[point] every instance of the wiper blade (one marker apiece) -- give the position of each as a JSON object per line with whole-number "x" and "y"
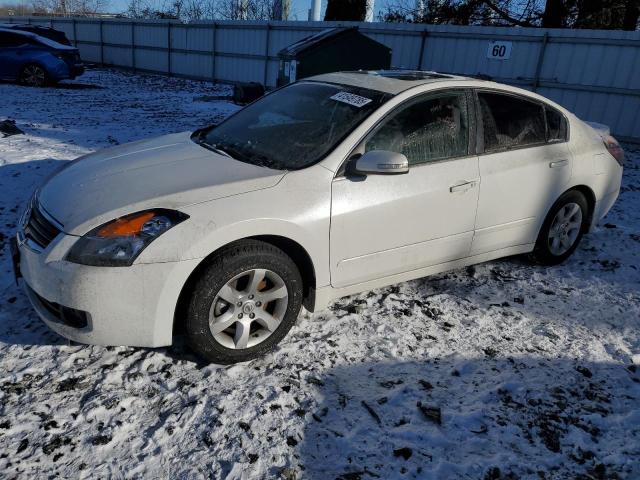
{"x": 199, "y": 134}
{"x": 216, "y": 148}
{"x": 220, "y": 151}
{"x": 264, "y": 161}
{"x": 228, "y": 151}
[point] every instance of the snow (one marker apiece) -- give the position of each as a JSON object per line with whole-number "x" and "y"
{"x": 502, "y": 370}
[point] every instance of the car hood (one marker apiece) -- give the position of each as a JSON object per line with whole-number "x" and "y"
{"x": 166, "y": 172}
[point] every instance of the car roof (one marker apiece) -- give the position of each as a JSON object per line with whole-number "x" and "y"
{"x": 388, "y": 81}
{"x": 16, "y": 31}
{"x": 19, "y": 25}
{"x": 28, "y": 28}
{"x": 41, "y": 39}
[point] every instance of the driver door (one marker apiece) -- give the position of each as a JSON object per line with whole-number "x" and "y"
{"x": 382, "y": 225}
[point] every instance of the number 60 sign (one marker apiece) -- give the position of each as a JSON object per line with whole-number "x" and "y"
{"x": 499, "y": 50}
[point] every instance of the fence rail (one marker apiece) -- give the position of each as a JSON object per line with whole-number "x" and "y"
{"x": 594, "y": 73}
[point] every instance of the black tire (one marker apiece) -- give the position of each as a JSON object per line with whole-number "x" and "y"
{"x": 33, "y": 75}
{"x": 542, "y": 252}
{"x": 229, "y": 262}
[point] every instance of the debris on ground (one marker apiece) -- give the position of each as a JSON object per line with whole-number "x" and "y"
{"x": 8, "y": 128}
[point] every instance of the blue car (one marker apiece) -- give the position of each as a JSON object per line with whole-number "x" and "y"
{"x": 34, "y": 60}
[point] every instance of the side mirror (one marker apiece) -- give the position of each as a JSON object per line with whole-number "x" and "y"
{"x": 381, "y": 162}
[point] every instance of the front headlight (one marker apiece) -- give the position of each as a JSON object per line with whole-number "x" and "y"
{"x": 119, "y": 242}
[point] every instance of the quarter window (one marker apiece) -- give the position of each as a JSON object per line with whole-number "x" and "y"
{"x": 510, "y": 122}
{"x": 426, "y": 130}
{"x": 556, "y": 125}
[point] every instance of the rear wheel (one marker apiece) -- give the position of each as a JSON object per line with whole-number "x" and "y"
{"x": 33, "y": 76}
{"x": 244, "y": 302}
{"x": 562, "y": 230}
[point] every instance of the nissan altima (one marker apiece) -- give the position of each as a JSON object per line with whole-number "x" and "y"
{"x": 333, "y": 185}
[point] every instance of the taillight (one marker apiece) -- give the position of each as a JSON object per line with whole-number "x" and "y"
{"x": 614, "y": 148}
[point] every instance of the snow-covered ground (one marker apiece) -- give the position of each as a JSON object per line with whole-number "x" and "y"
{"x": 500, "y": 371}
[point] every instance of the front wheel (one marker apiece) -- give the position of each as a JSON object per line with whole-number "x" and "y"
{"x": 562, "y": 229}
{"x": 243, "y": 303}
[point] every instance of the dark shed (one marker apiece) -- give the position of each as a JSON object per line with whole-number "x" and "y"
{"x": 331, "y": 50}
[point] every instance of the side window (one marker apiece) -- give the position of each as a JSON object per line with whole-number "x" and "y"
{"x": 510, "y": 122}
{"x": 428, "y": 129}
{"x": 12, "y": 40}
{"x": 556, "y": 125}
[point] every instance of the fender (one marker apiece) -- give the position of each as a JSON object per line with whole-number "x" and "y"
{"x": 265, "y": 212}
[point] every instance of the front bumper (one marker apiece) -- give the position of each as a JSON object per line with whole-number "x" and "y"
{"x": 124, "y": 305}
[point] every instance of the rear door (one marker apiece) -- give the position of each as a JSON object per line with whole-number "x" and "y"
{"x": 383, "y": 225}
{"x": 525, "y": 165}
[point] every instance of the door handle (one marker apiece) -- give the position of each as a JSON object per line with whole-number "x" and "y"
{"x": 462, "y": 187}
{"x": 558, "y": 163}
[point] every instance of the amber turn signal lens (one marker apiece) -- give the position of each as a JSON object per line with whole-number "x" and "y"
{"x": 126, "y": 226}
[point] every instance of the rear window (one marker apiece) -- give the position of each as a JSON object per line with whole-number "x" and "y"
{"x": 51, "y": 34}
{"x": 510, "y": 122}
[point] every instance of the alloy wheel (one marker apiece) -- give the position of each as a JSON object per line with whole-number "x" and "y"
{"x": 248, "y": 309}
{"x": 33, "y": 75}
{"x": 565, "y": 228}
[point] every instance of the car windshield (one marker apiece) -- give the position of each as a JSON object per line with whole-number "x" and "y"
{"x": 293, "y": 127}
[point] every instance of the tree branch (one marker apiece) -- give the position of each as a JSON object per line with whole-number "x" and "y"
{"x": 505, "y": 16}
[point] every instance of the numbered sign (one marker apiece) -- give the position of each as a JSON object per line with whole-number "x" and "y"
{"x": 499, "y": 50}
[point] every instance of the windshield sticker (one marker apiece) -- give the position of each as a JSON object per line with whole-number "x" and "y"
{"x": 351, "y": 99}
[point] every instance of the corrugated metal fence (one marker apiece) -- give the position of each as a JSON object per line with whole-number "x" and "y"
{"x": 594, "y": 73}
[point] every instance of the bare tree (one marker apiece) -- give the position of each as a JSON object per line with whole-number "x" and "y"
{"x": 523, "y": 13}
{"x": 252, "y": 9}
{"x": 555, "y": 14}
{"x": 631, "y": 15}
{"x": 193, "y": 10}
{"x": 19, "y": 9}
{"x": 68, "y": 8}
{"x": 143, "y": 9}
{"x": 603, "y": 14}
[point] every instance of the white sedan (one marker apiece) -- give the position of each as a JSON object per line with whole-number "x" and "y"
{"x": 333, "y": 185}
